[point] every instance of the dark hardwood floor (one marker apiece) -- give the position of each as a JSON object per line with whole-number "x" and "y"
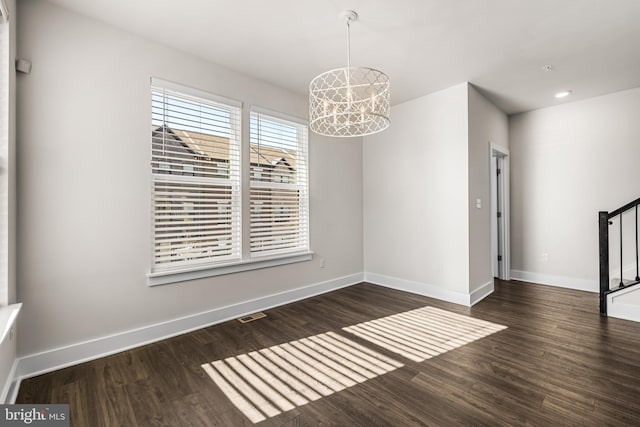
{"x": 557, "y": 363}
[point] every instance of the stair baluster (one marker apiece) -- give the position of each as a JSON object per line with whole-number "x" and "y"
{"x": 604, "y": 220}
{"x": 637, "y": 275}
{"x": 621, "y": 279}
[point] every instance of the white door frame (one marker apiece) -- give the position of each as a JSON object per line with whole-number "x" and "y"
{"x": 505, "y": 226}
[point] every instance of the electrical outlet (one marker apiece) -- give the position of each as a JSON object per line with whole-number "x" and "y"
{"x": 545, "y": 257}
{"x": 322, "y": 262}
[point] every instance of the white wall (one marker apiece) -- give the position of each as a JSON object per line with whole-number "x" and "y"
{"x": 568, "y": 162}
{"x": 416, "y": 194}
{"x": 84, "y": 185}
{"x": 487, "y": 124}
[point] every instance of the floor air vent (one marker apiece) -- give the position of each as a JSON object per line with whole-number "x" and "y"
{"x": 251, "y": 317}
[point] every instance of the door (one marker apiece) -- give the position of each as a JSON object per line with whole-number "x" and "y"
{"x": 500, "y": 235}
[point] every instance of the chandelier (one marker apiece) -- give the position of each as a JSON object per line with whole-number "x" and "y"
{"x": 350, "y": 101}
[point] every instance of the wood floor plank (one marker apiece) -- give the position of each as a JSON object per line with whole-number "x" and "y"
{"x": 557, "y": 363}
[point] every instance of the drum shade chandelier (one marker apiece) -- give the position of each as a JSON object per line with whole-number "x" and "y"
{"x": 349, "y": 101}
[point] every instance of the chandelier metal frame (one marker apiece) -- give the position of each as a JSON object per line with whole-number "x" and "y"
{"x": 349, "y": 101}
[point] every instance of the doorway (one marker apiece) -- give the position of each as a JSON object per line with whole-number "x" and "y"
{"x": 500, "y": 229}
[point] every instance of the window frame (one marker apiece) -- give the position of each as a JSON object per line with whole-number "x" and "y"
{"x": 283, "y": 181}
{"x": 179, "y": 194}
{"x": 246, "y": 261}
{"x": 6, "y": 159}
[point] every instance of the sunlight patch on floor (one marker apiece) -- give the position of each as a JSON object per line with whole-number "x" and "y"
{"x": 423, "y": 333}
{"x": 267, "y": 382}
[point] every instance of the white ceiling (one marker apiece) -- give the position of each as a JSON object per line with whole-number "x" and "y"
{"x": 423, "y": 45}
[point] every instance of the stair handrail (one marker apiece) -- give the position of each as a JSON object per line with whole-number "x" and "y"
{"x": 604, "y": 220}
{"x": 624, "y": 208}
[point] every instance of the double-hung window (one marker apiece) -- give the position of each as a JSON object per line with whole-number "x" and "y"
{"x": 279, "y": 185}
{"x": 198, "y": 160}
{"x": 5, "y": 67}
{"x": 195, "y": 164}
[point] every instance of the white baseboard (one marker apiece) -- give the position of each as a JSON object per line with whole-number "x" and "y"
{"x": 8, "y": 341}
{"x": 13, "y": 384}
{"x": 47, "y": 361}
{"x": 430, "y": 291}
{"x": 559, "y": 281}
{"x": 481, "y": 293}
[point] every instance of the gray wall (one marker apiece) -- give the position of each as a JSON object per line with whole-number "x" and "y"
{"x": 487, "y": 125}
{"x": 84, "y": 185}
{"x": 568, "y": 163}
{"x": 422, "y": 177}
{"x": 415, "y": 193}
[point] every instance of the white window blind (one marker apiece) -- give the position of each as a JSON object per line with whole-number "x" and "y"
{"x": 195, "y": 142}
{"x": 279, "y": 185}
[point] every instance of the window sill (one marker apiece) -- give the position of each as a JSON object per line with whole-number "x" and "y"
{"x": 166, "y": 277}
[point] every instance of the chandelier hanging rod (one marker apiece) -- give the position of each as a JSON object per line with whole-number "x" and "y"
{"x": 349, "y": 16}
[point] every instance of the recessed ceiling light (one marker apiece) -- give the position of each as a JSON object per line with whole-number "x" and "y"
{"x": 563, "y": 94}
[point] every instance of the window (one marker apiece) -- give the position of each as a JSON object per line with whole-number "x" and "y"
{"x": 5, "y": 163}
{"x": 195, "y": 165}
{"x": 279, "y": 185}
